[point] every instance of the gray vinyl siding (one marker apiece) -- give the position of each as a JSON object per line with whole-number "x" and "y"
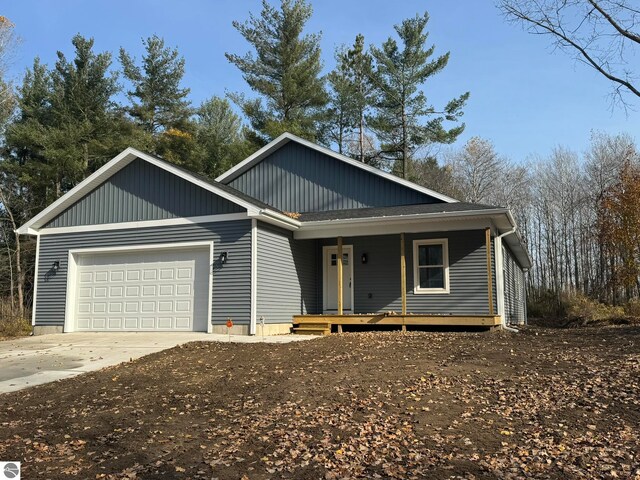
{"x": 231, "y": 281}
{"x": 142, "y": 191}
{"x": 298, "y": 179}
{"x": 377, "y": 283}
{"x": 514, "y": 289}
{"x": 286, "y": 275}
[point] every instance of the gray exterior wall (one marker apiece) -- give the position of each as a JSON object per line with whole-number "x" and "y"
{"x": 286, "y": 275}
{"x": 514, "y": 289}
{"x": 377, "y": 283}
{"x": 142, "y": 191}
{"x": 231, "y": 281}
{"x": 298, "y": 179}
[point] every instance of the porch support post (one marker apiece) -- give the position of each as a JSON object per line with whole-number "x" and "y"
{"x": 339, "y": 264}
{"x": 403, "y": 276}
{"x": 489, "y": 270}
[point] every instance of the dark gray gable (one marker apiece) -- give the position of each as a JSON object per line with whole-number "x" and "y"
{"x": 296, "y": 178}
{"x": 141, "y": 191}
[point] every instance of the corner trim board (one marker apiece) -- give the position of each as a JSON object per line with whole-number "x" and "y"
{"x": 254, "y": 277}
{"x": 35, "y": 283}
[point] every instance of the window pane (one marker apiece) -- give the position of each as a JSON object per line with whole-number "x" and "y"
{"x": 432, "y": 277}
{"x": 430, "y": 255}
{"x": 422, "y": 255}
{"x": 345, "y": 259}
{"x": 333, "y": 259}
{"x": 435, "y": 254}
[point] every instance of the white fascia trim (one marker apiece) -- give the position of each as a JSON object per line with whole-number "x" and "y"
{"x": 106, "y": 171}
{"x": 419, "y": 217}
{"x": 287, "y": 137}
{"x": 121, "y": 160}
{"x": 145, "y": 224}
{"x": 255, "y": 157}
{"x": 72, "y": 267}
{"x": 276, "y": 218}
{"x": 254, "y": 277}
{"x": 373, "y": 228}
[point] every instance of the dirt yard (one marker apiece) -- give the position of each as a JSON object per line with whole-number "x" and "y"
{"x": 543, "y": 403}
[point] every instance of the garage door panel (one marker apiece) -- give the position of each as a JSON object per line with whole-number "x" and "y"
{"x": 116, "y": 292}
{"x": 101, "y": 276}
{"x": 98, "y": 323}
{"x": 117, "y": 275}
{"x": 115, "y": 323}
{"x": 154, "y": 290}
{"x": 131, "y": 323}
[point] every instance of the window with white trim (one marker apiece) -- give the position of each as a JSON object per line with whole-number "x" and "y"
{"x": 431, "y": 266}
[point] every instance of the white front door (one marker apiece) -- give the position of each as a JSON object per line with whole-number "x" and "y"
{"x": 330, "y": 272}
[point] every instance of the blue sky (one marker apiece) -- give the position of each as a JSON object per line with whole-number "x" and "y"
{"x": 524, "y": 97}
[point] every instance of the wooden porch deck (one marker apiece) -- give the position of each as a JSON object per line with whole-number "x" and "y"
{"x": 321, "y": 324}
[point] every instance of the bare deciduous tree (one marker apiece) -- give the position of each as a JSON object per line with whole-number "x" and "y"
{"x": 599, "y": 33}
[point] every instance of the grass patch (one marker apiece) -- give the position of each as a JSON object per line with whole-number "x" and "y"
{"x": 14, "y": 327}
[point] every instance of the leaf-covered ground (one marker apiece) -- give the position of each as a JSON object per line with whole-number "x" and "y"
{"x": 542, "y": 404}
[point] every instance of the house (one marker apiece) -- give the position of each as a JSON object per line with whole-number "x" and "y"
{"x": 294, "y": 234}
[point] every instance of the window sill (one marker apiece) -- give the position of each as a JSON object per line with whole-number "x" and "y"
{"x": 431, "y": 291}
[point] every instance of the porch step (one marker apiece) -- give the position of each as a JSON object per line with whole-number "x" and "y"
{"x": 312, "y": 329}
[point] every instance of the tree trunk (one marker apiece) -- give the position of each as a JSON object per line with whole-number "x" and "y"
{"x": 361, "y": 136}
{"x": 20, "y": 276}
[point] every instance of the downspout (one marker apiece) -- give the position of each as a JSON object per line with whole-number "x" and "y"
{"x": 500, "y": 279}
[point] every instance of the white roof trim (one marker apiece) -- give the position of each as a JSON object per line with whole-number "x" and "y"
{"x": 408, "y": 218}
{"x": 106, "y": 171}
{"x": 286, "y": 137}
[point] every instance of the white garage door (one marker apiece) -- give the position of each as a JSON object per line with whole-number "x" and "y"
{"x": 143, "y": 290}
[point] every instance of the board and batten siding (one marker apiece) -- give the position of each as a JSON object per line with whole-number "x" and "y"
{"x": 514, "y": 289}
{"x": 142, "y": 191}
{"x": 296, "y": 178}
{"x": 231, "y": 281}
{"x": 286, "y": 275}
{"x": 377, "y": 283}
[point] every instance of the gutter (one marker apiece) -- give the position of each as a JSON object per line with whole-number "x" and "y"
{"x": 309, "y": 225}
{"x": 275, "y": 217}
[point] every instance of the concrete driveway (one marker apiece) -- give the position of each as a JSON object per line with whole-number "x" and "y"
{"x": 29, "y": 361}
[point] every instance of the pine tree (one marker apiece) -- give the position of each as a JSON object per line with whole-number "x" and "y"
{"x": 67, "y": 123}
{"x": 219, "y": 137}
{"x": 350, "y": 98}
{"x": 404, "y": 121}
{"x": 284, "y": 71}
{"x": 83, "y": 112}
{"x": 360, "y": 68}
{"x": 158, "y": 103}
{"x": 341, "y": 115}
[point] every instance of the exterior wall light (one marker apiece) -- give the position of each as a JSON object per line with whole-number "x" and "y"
{"x": 223, "y": 258}
{"x": 56, "y": 266}
{"x": 364, "y": 258}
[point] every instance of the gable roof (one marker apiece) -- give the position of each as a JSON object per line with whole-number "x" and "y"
{"x": 286, "y": 137}
{"x": 254, "y": 207}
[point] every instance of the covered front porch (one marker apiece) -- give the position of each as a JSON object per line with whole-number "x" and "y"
{"x": 429, "y": 278}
